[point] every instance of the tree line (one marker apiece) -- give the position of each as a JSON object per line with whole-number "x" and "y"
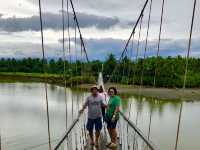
{"x": 169, "y": 70}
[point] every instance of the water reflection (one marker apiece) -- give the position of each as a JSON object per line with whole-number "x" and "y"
{"x": 23, "y": 122}
{"x": 164, "y": 121}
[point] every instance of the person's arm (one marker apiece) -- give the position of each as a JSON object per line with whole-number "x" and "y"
{"x": 117, "y": 109}
{"x": 84, "y": 106}
{"x": 102, "y": 103}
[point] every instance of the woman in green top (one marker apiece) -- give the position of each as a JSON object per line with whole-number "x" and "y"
{"x": 112, "y": 116}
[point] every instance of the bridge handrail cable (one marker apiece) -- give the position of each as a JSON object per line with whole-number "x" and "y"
{"x": 130, "y": 123}
{"x": 68, "y": 132}
{"x": 139, "y": 132}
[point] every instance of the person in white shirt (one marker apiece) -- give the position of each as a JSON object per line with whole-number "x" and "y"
{"x": 104, "y": 96}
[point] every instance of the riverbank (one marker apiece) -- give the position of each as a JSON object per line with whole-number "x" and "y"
{"x": 192, "y": 94}
{"x": 158, "y": 93}
{"x": 48, "y": 78}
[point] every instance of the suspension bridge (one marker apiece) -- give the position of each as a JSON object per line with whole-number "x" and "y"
{"x": 130, "y": 137}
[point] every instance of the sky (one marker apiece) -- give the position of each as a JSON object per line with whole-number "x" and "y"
{"x": 105, "y": 25}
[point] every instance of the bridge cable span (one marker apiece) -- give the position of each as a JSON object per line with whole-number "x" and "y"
{"x": 186, "y": 71}
{"x": 79, "y": 121}
{"x": 75, "y": 122}
{"x": 140, "y": 138}
{"x": 44, "y": 70}
{"x": 81, "y": 37}
{"x": 129, "y": 39}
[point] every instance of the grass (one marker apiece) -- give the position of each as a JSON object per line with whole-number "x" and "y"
{"x": 22, "y": 74}
{"x": 45, "y": 77}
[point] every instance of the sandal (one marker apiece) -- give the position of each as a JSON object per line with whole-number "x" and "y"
{"x": 108, "y": 144}
{"x": 92, "y": 143}
{"x": 112, "y": 145}
{"x": 96, "y": 144}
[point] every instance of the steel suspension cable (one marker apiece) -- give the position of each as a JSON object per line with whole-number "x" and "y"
{"x": 159, "y": 39}
{"x": 63, "y": 39}
{"x": 186, "y": 70}
{"x": 69, "y": 41}
{"x": 137, "y": 51}
{"x": 75, "y": 49}
{"x": 129, "y": 39}
{"x": 131, "y": 55}
{"x": 143, "y": 63}
{"x": 44, "y": 70}
{"x": 146, "y": 43}
{"x": 70, "y": 61}
{"x": 77, "y": 128}
{"x": 81, "y": 37}
{"x": 64, "y": 59}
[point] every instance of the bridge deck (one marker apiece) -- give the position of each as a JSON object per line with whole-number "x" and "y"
{"x": 103, "y": 140}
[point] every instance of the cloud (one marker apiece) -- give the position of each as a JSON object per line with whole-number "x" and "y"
{"x": 54, "y": 22}
{"x": 100, "y": 48}
{"x": 174, "y": 24}
{"x": 28, "y": 49}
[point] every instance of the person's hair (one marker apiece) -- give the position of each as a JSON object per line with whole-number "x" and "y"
{"x": 92, "y": 88}
{"x": 114, "y": 89}
{"x": 100, "y": 89}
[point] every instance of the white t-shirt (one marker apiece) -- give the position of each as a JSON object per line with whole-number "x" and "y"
{"x": 105, "y": 97}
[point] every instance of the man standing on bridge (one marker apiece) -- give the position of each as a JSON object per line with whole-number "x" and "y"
{"x": 94, "y": 102}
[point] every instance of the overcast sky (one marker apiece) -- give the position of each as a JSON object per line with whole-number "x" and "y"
{"x": 105, "y": 25}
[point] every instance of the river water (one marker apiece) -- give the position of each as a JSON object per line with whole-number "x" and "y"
{"x": 23, "y": 123}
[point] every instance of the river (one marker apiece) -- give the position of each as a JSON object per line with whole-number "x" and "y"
{"x": 23, "y": 123}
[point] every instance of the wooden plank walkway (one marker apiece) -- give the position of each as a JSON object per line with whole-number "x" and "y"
{"x": 103, "y": 140}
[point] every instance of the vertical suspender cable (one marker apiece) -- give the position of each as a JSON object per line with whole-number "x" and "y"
{"x": 186, "y": 70}
{"x": 64, "y": 67}
{"x": 64, "y": 58}
{"x": 138, "y": 45}
{"x": 63, "y": 40}
{"x": 75, "y": 49}
{"x": 77, "y": 103}
{"x": 0, "y": 141}
{"x": 69, "y": 38}
{"x": 159, "y": 39}
{"x": 70, "y": 62}
{"x": 127, "y": 129}
{"x": 129, "y": 39}
{"x": 146, "y": 43}
{"x": 131, "y": 55}
{"x": 137, "y": 52}
{"x": 189, "y": 44}
{"x": 143, "y": 63}
{"x": 81, "y": 37}
{"x": 44, "y": 69}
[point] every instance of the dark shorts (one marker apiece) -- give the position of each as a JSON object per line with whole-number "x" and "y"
{"x": 91, "y": 123}
{"x": 111, "y": 124}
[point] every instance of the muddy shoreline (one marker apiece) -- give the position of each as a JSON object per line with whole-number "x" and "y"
{"x": 191, "y": 94}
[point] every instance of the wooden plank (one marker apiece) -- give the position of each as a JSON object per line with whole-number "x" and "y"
{"x": 102, "y": 143}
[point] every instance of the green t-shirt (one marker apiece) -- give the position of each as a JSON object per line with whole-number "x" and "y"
{"x": 112, "y": 104}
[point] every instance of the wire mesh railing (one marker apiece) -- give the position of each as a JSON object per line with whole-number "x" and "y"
{"x": 75, "y": 138}
{"x": 131, "y": 137}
